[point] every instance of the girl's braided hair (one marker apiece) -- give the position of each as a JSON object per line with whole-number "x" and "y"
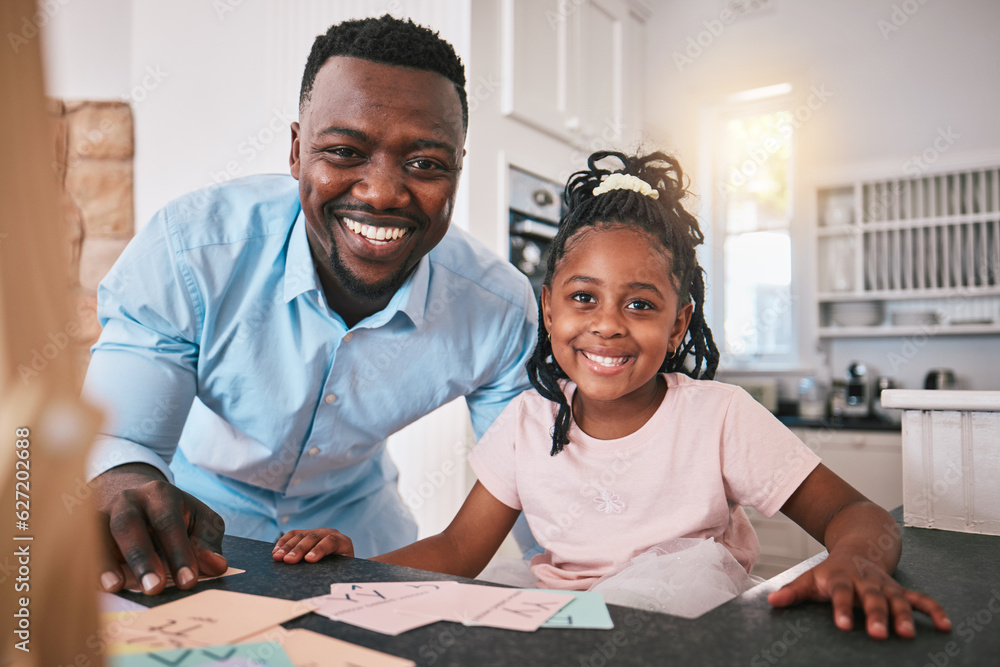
{"x": 665, "y": 220}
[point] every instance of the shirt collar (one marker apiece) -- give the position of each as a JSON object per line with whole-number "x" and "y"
{"x": 300, "y": 272}
{"x": 301, "y": 277}
{"x": 418, "y": 284}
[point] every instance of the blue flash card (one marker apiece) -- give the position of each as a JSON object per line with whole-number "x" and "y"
{"x": 263, "y": 654}
{"x": 587, "y": 611}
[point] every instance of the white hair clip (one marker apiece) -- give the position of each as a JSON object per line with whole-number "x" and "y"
{"x": 621, "y": 181}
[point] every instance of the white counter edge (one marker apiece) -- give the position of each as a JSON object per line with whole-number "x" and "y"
{"x": 941, "y": 399}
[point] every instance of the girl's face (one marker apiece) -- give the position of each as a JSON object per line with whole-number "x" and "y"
{"x": 612, "y": 313}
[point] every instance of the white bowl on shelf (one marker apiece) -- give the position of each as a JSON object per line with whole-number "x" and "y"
{"x": 915, "y": 318}
{"x": 857, "y": 313}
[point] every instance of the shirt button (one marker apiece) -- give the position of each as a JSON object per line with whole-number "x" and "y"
{"x": 348, "y": 336}
{"x": 314, "y": 451}
{"x": 285, "y": 519}
{"x": 330, "y": 398}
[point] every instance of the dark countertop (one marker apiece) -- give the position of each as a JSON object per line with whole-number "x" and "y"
{"x": 842, "y": 423}
{"x": 959, "y": 570}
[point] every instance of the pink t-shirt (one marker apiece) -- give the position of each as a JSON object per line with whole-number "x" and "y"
{"x": 707, "y": 451}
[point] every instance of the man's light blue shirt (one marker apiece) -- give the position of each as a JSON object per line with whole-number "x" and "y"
{"x": 220, "y": 358}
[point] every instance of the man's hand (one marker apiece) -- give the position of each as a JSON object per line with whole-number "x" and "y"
{"x": 149, "y": 526}
{"x": 840, "y": 581}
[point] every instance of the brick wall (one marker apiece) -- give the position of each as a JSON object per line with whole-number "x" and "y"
{"x": 94, "y": 148}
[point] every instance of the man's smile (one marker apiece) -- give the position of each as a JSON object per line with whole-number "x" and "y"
{"x": 375, "y": 235}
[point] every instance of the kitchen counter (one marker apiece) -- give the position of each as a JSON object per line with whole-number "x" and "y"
{"x": 841, "y": 423}
{"x": 960, "y": 570}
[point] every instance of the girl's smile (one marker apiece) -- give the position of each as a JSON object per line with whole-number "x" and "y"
{"x": 613, "y": 316}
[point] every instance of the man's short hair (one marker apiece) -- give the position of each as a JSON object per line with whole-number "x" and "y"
{"x": 390, "y": 41}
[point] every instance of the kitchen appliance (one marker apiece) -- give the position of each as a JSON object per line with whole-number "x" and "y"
{"x": 535, "y": 209}
{"x": 940, "y": 378}
{"x": 857, "y": 393}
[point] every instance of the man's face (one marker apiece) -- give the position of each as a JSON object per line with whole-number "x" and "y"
{"x": 377, "y": 152}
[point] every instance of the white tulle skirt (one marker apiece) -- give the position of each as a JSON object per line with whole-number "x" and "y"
{"x": 684, "y": 577}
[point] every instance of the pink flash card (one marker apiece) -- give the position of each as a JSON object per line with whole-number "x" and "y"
{"x": 210, "y": 618}
{"x": 506, "y": 608}
{"x": 372, "y": 605}
{"x": 348, "y": 597}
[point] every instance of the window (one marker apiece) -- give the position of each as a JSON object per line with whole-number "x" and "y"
{"x": 752, "y": 215}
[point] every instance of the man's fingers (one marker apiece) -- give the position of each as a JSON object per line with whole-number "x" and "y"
{"x": 129, "y": 529}
{"x": 164, "y": 505}
{"x": 206, "y": 529}
{"x": 112, "y": 577}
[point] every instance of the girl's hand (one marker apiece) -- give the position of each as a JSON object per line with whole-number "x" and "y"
{"x": 854, "y": 574}
{"x": 848, "y": 582}
{"x": 312, "y": 545}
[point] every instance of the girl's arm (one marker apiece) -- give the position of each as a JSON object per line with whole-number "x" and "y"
{"x": 864, "y": 545}
{"x": 463, "y": 548}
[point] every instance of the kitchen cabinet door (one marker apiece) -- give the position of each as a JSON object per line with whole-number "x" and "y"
{"x": 538, "y": 38}
{"x": 574, "y": 68}
{"x": 870, "y": 461}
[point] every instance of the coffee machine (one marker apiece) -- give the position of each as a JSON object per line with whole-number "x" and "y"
{"x": 857, "y": 398}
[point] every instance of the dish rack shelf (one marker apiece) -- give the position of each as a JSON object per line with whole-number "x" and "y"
{"x": 910, "y": 255}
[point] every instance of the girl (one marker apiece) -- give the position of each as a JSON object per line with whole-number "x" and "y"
{"x": 626, "y": 448}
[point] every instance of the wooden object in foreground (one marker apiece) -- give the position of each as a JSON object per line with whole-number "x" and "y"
{"x": 47, "y": 529}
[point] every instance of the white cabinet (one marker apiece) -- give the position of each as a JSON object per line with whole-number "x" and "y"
{"x": 870, "y": 461}
{"x": 574, "y": 69}
{"x": 910, "y": 256}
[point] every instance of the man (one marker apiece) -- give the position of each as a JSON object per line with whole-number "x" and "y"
{"x": 264, "y": 339}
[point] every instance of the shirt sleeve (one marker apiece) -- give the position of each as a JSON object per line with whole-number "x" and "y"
{"x": 143, "y": 369}
{"x": 494, "y": 458}
{"x": 763, "y": 462}
{"x": 511, "y": 378}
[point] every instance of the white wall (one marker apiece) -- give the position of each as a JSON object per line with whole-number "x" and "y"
{"x": 87, "y": 48}
{"x": 893, "y": 80}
